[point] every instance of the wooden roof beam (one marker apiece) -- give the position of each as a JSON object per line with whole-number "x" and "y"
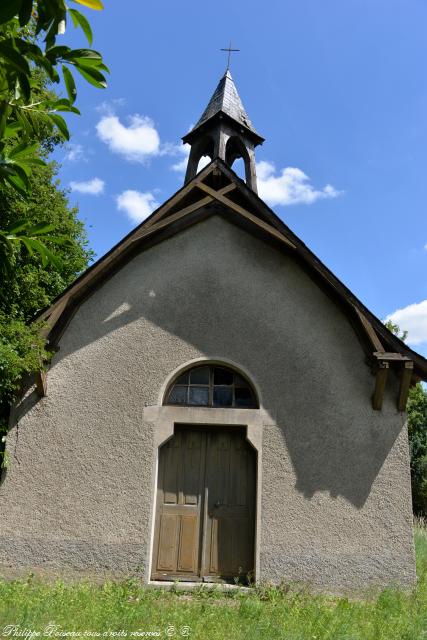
{"x": 236, "y": 207}
{"x": 369, "y": 331}
{"x": 405, "y": 384}
{"x": 177, "y": 197}
{"x": 380, "y": 384}
{"x": 180, "y": 214}
{"x": 389, "y": 356}
{"x": 41, "y": 383}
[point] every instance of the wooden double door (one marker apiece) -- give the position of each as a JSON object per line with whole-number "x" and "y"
{"x": 205, "y": 515}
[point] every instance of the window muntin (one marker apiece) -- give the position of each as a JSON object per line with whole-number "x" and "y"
{"x": 211, "y": 386}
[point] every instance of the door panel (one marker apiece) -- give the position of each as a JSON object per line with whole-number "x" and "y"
{"x": 206, "y": 492}
{"x": 230, "y": 478}
{"x": 169, "y": 529}
{"x": 178, "y": 514}
{"x": 187, "y": 558}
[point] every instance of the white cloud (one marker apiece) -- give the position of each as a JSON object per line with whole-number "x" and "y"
{"x": 181, "y": 165}
{"x": 289, "y": 186}
{"x": 136, "y": 204}
{"x": 412, "y": 319}
{"x": 425, "y": 246}
{"x": 75, "y": 152}
{"x": 92, "y": 187}
{"x": 136, "y": 142}
{"x": 109, "y": 106}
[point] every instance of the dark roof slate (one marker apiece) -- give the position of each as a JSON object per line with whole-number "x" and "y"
{"x": 225, "y": 99}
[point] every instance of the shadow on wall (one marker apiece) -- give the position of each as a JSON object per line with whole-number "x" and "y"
{"x": 227, "y": 293}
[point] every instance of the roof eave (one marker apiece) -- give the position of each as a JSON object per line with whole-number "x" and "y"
{"x": 219, "y": 115}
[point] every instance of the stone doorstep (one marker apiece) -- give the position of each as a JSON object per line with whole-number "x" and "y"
{"x": 184, "y": 586}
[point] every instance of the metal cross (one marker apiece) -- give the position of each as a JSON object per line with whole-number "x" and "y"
{"x": 229, "y": 49}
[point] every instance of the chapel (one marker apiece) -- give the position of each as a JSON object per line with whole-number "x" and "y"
{"x": 219, "y": 406}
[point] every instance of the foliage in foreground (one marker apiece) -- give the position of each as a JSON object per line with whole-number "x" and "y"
{"x": 31, "y": 284}
{"x": 29, "y": 52}
{"x": 265, "y": 612}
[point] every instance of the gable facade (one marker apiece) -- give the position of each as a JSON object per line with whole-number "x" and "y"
{"x": 332, "y": 501}
{"x": 219, "y": 406}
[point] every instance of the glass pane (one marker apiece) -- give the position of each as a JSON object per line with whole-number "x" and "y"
{"x": 223, "y": 376}
{"x": 222, "y": 397}
{"x": 178, "y": 395}
{"x": 200, "y": 375}
{"x": 243, "y": 397}
{"x": 183, "y": 379}
{"x": 199, "y": 396}
{"x": 239, "y": 381}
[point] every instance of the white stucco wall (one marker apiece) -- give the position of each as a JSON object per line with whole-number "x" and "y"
{"x": 335, "y": 502}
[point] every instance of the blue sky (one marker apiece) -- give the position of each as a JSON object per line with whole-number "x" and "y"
{"x": 338, "y": 89}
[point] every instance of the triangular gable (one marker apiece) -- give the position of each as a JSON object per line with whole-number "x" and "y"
{"x": 218, "y": 185}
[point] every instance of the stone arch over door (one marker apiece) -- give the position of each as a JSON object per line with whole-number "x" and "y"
{"x": 169, "y": 419}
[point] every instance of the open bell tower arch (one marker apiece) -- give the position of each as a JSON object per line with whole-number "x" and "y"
{"x": 224, "y": 131}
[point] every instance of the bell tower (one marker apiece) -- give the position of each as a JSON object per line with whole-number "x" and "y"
{"x": 224, "y": 131}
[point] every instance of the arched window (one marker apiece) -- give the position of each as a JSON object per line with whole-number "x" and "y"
{"x": 211, "y": 386}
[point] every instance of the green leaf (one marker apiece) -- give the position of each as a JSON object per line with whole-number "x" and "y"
{"x": 53, "y": 53}
{"x": 27, "y": 244}
{"x": 58, "y": 10}
{"x": 35, "y": 53}
{"x": 62, "y": 105}
{"x": 25, "y": 12}
{"x": 90, "y": 54}
{"x": 9, "y": 9}
{"x": 46, "y": 255}
{"x": 103, "y": 67}
{"x": 36, "y": 162}
{"x": 14, "y": 58}
{"x": 12, "y": 129}
{"x": 41, "y": 228}
{"x": 92, "y": 75}
{"x": 61, "y": 125}
{"x": 60, "y": 240}
{"x": 23, "y": 121}
{"x": 22, "y": 168}
{"x": 70, "y": 85}
{"x": 17, "y": 227}
{"x": 23, "y": 86}
{"x": 33, "y": 245}
{"x": 22, "y": 150}
{"x": 18, "y": 184}
{"x": 80, "y": 20}
{"x": 92, "y": 4}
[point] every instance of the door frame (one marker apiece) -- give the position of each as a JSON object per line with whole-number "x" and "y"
{"x": 202, "y": 572}
{"x": 165, "y": 417}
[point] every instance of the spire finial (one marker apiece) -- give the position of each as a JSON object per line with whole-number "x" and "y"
{"x": 229, "y": 49}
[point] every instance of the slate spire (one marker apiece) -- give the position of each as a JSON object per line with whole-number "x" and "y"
{"x": 226, "y": 100}
{"x": 224, "y": 130}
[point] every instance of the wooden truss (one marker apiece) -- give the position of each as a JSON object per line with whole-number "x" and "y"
{"x": 217, "y": 185}
{"x": 384, "y": 360}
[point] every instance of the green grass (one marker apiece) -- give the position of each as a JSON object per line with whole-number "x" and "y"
{"x": 263, "y": 613}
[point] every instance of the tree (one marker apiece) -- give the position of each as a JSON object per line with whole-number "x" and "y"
{"x": 417, "y": 428}
{"x": 417, "y": 432}
{"x": 394, "y": 328}
{"x": 31, "y": 285}
{"x": 24, "y": 112}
